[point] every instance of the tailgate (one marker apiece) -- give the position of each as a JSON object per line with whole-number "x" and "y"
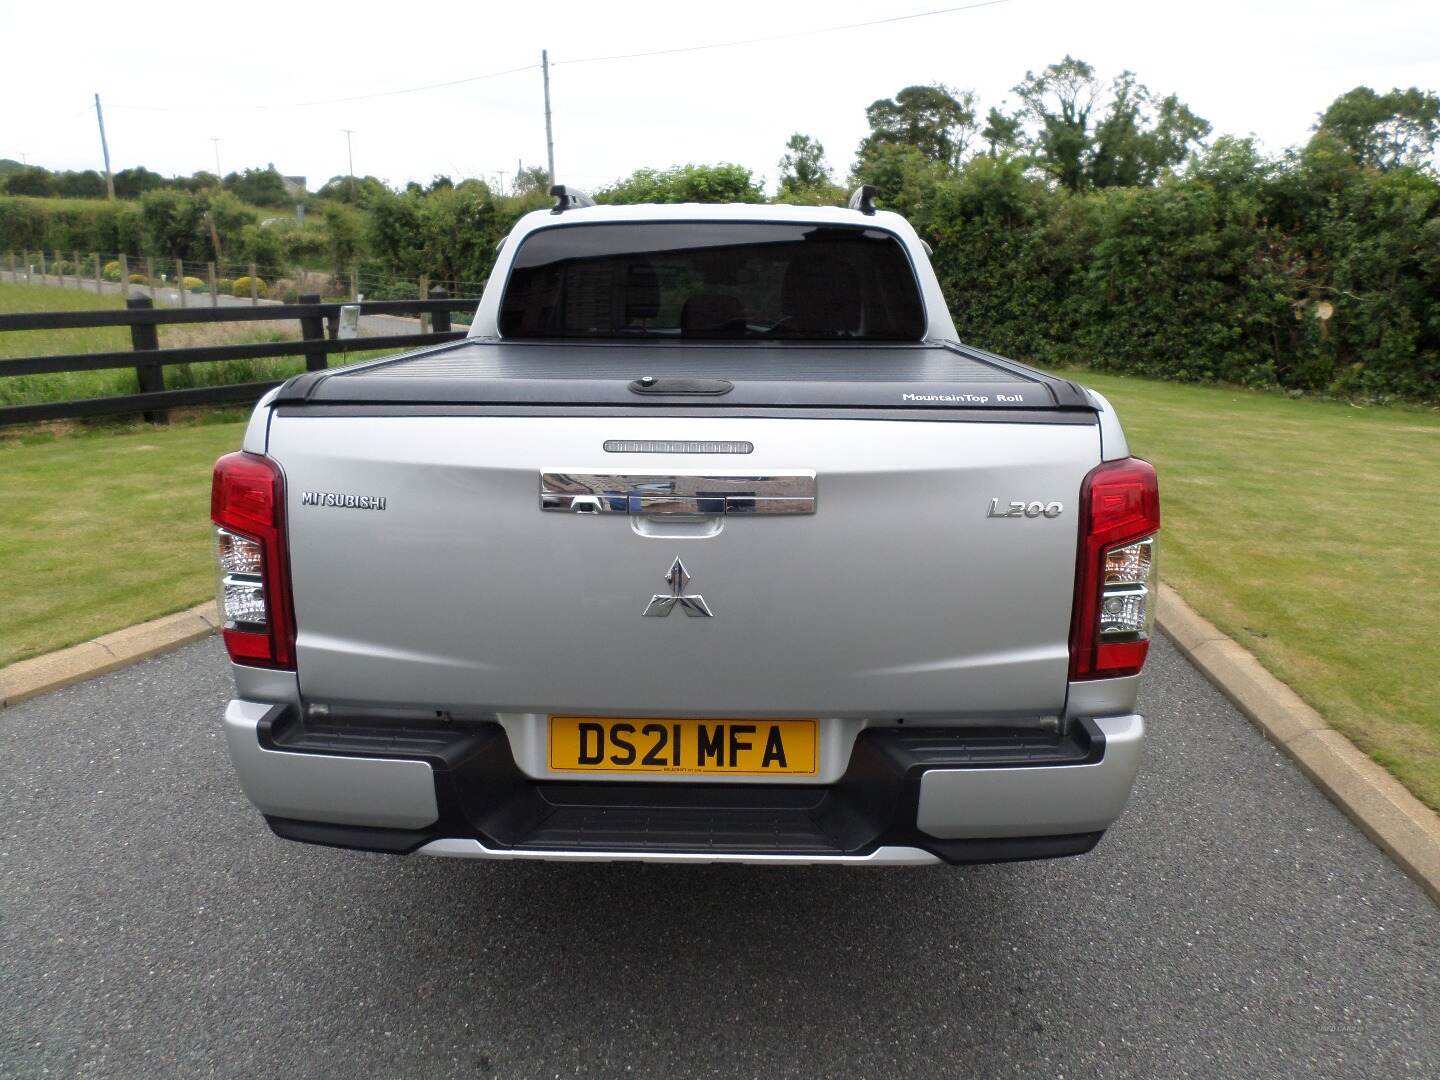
{"x": 895, "y": 595}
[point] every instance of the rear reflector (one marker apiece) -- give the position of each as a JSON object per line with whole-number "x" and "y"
{"x": 247, "y": 504}
{"x": 1114, "y": 613}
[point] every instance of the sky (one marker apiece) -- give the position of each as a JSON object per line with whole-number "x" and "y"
{"x": 263, "y": 80}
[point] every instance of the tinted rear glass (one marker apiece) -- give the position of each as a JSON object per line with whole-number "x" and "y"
{"x": 712, "y": 280}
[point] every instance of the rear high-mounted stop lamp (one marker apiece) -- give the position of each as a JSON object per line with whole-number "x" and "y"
{"x": 247, "y": 504}
{"x": 1115, "y": 582}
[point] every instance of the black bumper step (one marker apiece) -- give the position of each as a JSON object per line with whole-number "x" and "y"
{"x": 483, "y": 795}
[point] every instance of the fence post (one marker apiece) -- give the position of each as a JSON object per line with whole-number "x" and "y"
{"x": 214, "y": 288}
{"x": 99, "y": 287}
{"x": 43, "y": 271}
{"x": 424, "y": 292}
{"x": 354, "y": 286}
{"x": 145, "y": 338}
{"x": 124, "y": 275}
{"x": 180, "y": 283}
{"x": 254, "y": 287}
{"x": 312, "y": 328}
{"x": 79, "y": 270}
{"x": 12, "y": 264}
{"x": 150, "y": 274}
{"x": 441, "y": 322}
{"x": 59, "y": 265}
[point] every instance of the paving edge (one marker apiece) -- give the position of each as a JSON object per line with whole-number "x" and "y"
{"x": 41, "y": 674}
{"x": 1400, "y": 824}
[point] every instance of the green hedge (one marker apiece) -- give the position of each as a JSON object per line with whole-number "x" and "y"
{"x": 1317, "y": 276}
{"x": 1313, "y": 273}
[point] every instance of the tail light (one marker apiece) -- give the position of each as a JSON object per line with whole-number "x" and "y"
{"x": 1115, "y": 575}
{"x": 247, "y": 504}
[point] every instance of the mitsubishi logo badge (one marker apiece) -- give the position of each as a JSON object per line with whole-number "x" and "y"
{"x": 661, "y": 604}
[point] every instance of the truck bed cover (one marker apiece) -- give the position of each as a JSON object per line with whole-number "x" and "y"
{"x": 931, "y": 375}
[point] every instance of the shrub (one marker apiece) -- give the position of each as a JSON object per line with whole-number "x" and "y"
{"x": 227, "y": 285}
{"x": 111, "y": 270}
{"x": 263, "y": 244}
{"x": 138, "y": 279}
{"x": 69, "y": 225}
{"x": 193, "y": 284}
{"x": 242, "y": 286}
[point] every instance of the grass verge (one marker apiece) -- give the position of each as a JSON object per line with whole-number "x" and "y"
{"x": 1309, "y": 531}
{"x": 101, "y": 531}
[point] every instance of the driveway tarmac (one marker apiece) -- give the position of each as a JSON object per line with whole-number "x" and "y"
{"x": 1234, "y": 924}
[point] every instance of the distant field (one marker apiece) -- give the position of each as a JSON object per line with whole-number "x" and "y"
{"x": 73, "y": 385}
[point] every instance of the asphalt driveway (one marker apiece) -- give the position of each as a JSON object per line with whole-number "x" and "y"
{"x": 1233, "y": 924}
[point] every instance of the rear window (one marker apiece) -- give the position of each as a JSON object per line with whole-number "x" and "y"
{"x": 712, "y": 280}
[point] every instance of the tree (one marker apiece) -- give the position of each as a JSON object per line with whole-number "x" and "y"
{"x": 132, "y": 183}
{"x": 343, "y": 231}
{"x": 904, "y": 178}
{"x": 88, "y": 184}
{"x": 1384, "y": 131}
{"x": 1087, "y": 135}
{"x": 30, "y": 180}
{"x": 1001, "y": 133}
{"x": 1138, "y": 137}
{"x": 1059, "y": 100}
{"x": 803, "y": 167}
{"x": 936, "y": 120}
{"x": 721, "y": 183}
{"x": 531, "y": 180}
{"x": 198, "y": 181}
{"x": 259, "y": 187}
{"x": 354, "y": 190}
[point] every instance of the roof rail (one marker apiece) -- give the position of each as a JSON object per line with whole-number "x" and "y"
{"x": 568, "y": 198}
{"x": 864, "y": 199}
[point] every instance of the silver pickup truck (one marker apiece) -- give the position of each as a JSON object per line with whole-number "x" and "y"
{"x": 710, "y": 543}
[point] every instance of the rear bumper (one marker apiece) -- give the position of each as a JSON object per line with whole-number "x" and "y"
{"x": 908, "y": 797}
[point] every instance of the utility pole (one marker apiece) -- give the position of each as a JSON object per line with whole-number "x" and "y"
{"x": 105, "y": 149}
{"x": 216, "y": 140}
{"x": 502, "y": 183}
{"x": 549, "y": 132}
{"x": 350, "y": 155}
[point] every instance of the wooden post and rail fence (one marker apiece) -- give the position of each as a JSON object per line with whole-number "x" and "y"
{"x": 319, "y": 329}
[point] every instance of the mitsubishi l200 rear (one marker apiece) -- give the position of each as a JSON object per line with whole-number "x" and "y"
{"x": 709, "y": 543}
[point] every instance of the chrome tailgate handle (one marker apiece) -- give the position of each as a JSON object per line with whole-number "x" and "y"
{"x": 680, "y": 493}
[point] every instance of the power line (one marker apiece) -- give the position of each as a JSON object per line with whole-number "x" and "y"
{"x": 328, "y": 101}
{"x": 554, "y": 63}
{"x": 779, "y": 37}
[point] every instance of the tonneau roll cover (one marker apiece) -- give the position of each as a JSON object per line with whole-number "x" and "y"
{"x": 929, "y": 375}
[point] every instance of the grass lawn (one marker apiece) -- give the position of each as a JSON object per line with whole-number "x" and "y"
{"x": 100, "y": 530}
{"x": 1309, "y": 531}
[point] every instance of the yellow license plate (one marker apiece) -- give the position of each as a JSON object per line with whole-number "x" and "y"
{"x": 651, "y": 745}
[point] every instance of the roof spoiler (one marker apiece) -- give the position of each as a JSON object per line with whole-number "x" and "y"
{"x": 863, "y": 199}
{"x": 568, "y": 198}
